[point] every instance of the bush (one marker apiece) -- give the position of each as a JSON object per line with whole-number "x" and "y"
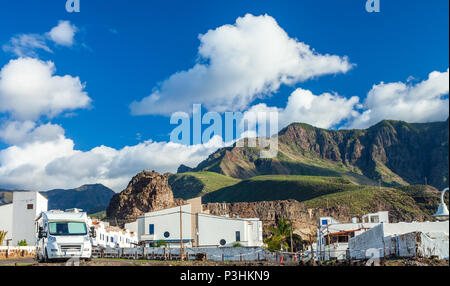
{"x": 22, "y": 243}
{"x": 237, "y": 244}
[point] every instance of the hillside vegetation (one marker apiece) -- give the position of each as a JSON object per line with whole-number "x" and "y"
{"x": 195, "y": 184}
{"x": 280, "y": 187}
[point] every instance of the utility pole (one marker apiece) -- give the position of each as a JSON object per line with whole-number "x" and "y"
{"x": 312, "y": 249}
{"x": 292, "y": 249}
{"x": 181, "y": 234}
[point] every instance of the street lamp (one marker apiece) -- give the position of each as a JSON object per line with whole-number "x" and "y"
{"x": 442, "y": 213}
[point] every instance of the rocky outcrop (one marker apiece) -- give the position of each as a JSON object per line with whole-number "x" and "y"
{"x": 304, "y": 219}
{"x": 147, "y": 192}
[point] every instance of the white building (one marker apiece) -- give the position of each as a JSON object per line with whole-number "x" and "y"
{"x": 416, "y": 239}
{"x": 18, "y": 218}
{"x": 199, "y": 229}
{"x": 6, "y": 223}
{"x": 333, "y": 236}
{"x": 113, "y": 237}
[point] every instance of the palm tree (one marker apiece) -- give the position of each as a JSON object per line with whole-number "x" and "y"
{"x": 280, "y": 235}
{"x": 2, "y": 236}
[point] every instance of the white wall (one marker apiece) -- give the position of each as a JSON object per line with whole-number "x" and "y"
{"x": 399, "y": 239}
{"x": 6, "y": 221}
{"x": 212, "y": 229}
{"x": 167, "y": 220}
{"x": 24, "y": 218}
{"x": 402, "y": 228}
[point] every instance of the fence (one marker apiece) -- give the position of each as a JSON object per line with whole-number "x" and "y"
{"x": 234, "y": 254}
{"x": 17, "y": 251}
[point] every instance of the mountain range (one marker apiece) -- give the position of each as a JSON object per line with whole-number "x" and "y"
{"x": 391, "y": 153}
{"x": 90, "y": 198}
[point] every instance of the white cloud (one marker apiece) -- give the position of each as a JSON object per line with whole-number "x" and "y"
{"x": 25, "y": 45}
{"x": 48, "y": 164}
{"x": 238, "y": 63}
{"x": 24, "y": 132}
{"x": 63, "y": 34}
{"x": 422, "y": 102}
{"x": 29, "y": 89}
{"x": 324, "y": 111}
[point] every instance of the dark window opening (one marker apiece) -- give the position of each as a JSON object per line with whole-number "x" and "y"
{"x": 151, "y": 229}
{"x": 29, "y": 206}
{"x": 238, "y": 236}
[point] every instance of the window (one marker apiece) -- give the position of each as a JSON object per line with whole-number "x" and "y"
{"x": 112, "y": 239}
{"x": 324, "y": 222}
{"x": 238, "y": 236}
{"x": 29, "y": 206}
{"x": 68, "y": 228}
{"x": 151, "y": 229}
{"x": 374, "y": 219}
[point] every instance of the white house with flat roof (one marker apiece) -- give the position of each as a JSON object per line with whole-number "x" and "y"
{"x": 333, "y": 236}
{"x": 19, "y": 217}
{"x": 112, "y": 237}
{"x": 192, "y": 227}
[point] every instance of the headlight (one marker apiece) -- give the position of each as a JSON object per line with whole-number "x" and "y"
{"x": 87, "y": 238}
{"x": 51, "y": 239}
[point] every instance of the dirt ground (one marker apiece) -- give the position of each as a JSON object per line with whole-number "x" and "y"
{"x": 124, "y": 262}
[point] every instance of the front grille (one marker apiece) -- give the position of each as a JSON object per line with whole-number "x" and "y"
{"x": 70, "y": 248}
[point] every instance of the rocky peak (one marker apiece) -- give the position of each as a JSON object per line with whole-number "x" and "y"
{"x": 146, "y": 192}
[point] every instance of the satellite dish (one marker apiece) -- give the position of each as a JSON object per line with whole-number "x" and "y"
{"x": 442, "y": 213}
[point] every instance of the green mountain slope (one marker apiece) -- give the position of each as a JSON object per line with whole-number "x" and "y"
{"x": 190, "y": 185}
{"x": 280, "y": 187}
{"x": 391, "y": 152}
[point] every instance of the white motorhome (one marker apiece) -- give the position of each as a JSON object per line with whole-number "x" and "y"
{"x": 63, "y": 235}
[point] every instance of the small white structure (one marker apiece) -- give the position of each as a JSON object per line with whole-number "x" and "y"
{"x": 405, "y": 240}
{"x": 18, "y": 218}
{"x": 112, "y": 237}
{"x": 333, "y": 236}
{"x": 199, "y": 229}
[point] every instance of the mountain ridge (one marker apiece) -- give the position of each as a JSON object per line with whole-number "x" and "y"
{"x": 391, "y": 152}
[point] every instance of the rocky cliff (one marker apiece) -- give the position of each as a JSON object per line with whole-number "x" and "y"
{"x": 147, "y": 192}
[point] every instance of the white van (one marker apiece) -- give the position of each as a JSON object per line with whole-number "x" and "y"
{"x": 63, "y": 235}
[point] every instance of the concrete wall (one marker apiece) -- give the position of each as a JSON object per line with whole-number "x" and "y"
{"x": 6, "y": 222}
{"x": 16, "y": 252}
{"x": 425, "y": 227}
{"x": 402, "y": 240}
{"x": 24, "y": 217}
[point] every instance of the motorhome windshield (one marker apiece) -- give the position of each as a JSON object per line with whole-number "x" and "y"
{"x": 67, "y": 228}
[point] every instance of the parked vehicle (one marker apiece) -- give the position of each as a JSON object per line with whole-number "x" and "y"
{"x": 63, "y": 235}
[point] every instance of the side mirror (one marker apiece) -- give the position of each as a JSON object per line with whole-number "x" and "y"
{"x": 93, "y": 232}
{"x": 42, "y": 233}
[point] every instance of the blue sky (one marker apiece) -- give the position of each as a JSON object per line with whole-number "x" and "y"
{"x": 122, "y": 50}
